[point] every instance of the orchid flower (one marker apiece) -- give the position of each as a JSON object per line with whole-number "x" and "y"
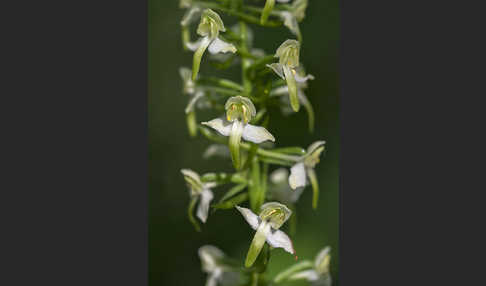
{"x": 219, "y": 150}
{"x": 301, "y": 96}
{"x": 272, "y": 216}
{"x": 320, "y": 274}
{"x": 267, "y": 9}
{"x": 213, "y": 263}
{"x": 305, "y": 168}
{"x": 280, "y": 190}
{"x": 293, "y": 16}
{"x": 199, "y": 191}
{"x": 209, "y": 28}
{"x": 239, "y": 111}
{"x": 189, "y": 88}
{"x": 288, "y": 54}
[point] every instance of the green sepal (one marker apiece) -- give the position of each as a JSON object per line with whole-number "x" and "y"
{"x": 257, "y": 243}
{"x": 191, "y": 123}
{"x": 186, "y": 37}
{"x": 190, "y": 211}
{"x": 315, "y": 186}
{"x": 267, "y": 9}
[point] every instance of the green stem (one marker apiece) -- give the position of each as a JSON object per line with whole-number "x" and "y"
{"x": 220, "y": 82}
{"x": 245, "y": 62}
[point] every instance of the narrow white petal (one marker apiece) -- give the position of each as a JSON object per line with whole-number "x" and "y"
{"x": 252, "y": 219}
{"x": 192, "y": 101}
{"x": 301, "y": 79}
{"x": 220, "y": 46}
{"x": 309, "y": 275}
{"x": 297, "y": 176}
{"x": 216, "y": 150}
{"x": 213, "y": 278}
{"x": 278, "y": 238}
{"x": 277, "y": 68}
{"x": 193, "y": 46}
{"x": 280, "y": 90}
{"x": 209, "y": 256}
{"x": 257, "y": 134}
{"x": 220, "y": 125}
{"x": 203, "y": 208}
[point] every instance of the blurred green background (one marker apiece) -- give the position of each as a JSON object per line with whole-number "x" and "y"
{"x": 173, "y": 242}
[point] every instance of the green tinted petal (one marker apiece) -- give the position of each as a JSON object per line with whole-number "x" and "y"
{"x": 315, "y": 186}
{"x": 191, "y": 123}
{"x": 234, "y": 143}
{"x": 198, "y": 56}
{"x": 257, "y": 243}
{"x": 292, "y": 85}
{"x": 190, "y": 212}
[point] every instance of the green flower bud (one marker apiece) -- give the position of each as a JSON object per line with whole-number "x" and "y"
{"x": 239, "y": 108}
{"x": 210, "y": 24}
{"x": 288, "y": 53}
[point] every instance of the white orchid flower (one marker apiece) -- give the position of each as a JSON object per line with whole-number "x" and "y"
{"x": 209, "y": 28}
{"x": 280, "y": 190}
{"x": 304, "y": 169}
{"x": 267, "y": 9}
{"x": 272, "y": 216}
{"x": 199, "y": 192}
{"x": 239, "y": 111}
{"x": 287, "y": 109}
{"x": 195, "y": 94}
{"x": 219, "y": 150}
{"x": 213, "y": 263}
{"x": 293, "y": 16}
{"x": 288, "y": 54}
{"x": 320, "y": 274}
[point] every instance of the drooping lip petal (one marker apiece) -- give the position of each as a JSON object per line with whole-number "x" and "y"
{"x": 220, "y": 125}
{"x": 256, "y": 134}
{"x": 203, "y": 207}
{"x": 302, "y": 79}
{"x": 279, "y": 239}
{"x": 209, "y": 256}
{"x": 297, "y": 176}
{"x": 252, "y": 219}
{"x": 220, "y": 46}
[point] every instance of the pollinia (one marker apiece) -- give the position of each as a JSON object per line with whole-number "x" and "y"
{"x": 241, "y": 134}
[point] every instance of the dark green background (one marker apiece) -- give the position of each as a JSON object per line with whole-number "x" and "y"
{"x": 173, "y": 243}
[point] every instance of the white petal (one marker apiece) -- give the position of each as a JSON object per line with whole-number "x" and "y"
{"x": 193, "y": 46}
{"x": 209, "y": 256}
{"x": 256, "y": 134}
{"x": 220, "y": 46}
{"x": 214, "y": 277}
{"x": 278, "y": 176}
{"x": 277, "y": 68}
{"x": 321, "y": 263}
{"x": 280, "y": 90}
{"x": 220, "y": 125}
{"x": 283, "y": 1}
{"x": 278, "y": 238}
{"x": 301, "y": 79}
{"x": 297, "y": 176}
{"x": 203, "y": 208}
{"x": 252, "y": 219}
{"x": 309, "y": 275}
{"x": 192, "y": 101}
